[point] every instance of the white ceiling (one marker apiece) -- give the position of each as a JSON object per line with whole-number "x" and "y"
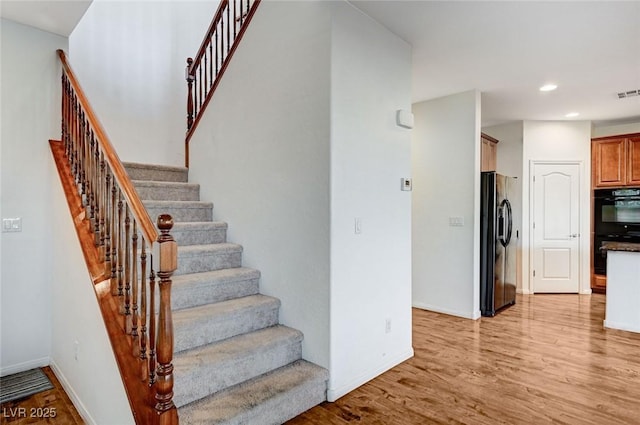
{"x": 505, "y": 49}
{"x": 56, "y": 16}
{"x": 508, "y": 49}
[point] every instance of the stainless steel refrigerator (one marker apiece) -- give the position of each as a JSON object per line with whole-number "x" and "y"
{"x": 497, "y": 244}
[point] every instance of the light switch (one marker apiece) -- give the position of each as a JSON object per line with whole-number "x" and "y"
{"x": 12, "y": 224}
{"x": 357, "y": 228}
{"x": 405, "y": 183}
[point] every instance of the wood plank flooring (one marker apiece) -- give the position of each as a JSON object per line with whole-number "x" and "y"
{"x": 545, "y": 360}
{"x": 47, "y": 407}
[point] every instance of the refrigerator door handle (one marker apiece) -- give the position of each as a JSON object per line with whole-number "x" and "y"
{"x": 507, "y": 222}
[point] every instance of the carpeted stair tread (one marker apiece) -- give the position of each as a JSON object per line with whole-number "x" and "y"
{"x": 207, "y": 369}
{"x": 269, "y": 399}
{"x": 180, "y": 210}
{"x": 155, "y": 172}
{"x": 167, "y": 191}
{"x": 210, "y": 323}
{"x": 199, "y": 232}
{"x": 205, "y": 258}
{"x": 191, "y": 290}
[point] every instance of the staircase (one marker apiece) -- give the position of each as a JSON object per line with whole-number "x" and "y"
{"x": 233, "y": 362}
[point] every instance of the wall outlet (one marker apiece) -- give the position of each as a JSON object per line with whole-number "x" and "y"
{"x": 456, "y": 221}
{"x": 405, "y": 184}
{"x": 387, "y": 326}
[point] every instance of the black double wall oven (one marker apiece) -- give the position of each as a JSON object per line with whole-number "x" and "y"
{"x": 616, "y": 218}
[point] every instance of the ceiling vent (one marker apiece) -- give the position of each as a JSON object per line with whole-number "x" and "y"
{"x": 630, "y": 93}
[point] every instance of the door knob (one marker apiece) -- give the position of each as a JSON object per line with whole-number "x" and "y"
{"x": 575, "y": 235}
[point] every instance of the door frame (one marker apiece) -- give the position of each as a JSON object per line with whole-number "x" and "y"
{"x": 584, "y": 217}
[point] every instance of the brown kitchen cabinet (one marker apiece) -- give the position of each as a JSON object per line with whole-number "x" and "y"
{"x": 599, "y": 283}
{"x": 633, "y": 161}
{"x": 488, "y": 153}
{"x": 616, "y": 161}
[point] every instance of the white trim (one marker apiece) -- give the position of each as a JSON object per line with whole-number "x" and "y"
{"x": 621, "y": 326}
{"x": 523, "y": 291}
{"x": 75, "y": 399}
{"x": 465, "y": 314}
{"x": 21, "y": 367}
{"x": 532, "y": 165}
{"x": 335, "y": 393}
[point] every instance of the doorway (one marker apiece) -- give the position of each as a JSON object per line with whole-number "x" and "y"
{"x": 555, "y": 227}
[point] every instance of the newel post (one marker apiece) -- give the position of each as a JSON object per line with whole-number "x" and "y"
{"x": 165, "y": 409}
{"x": 190, "y": 78}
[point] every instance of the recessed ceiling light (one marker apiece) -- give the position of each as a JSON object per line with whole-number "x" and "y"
{"x": 572, "y": 114}
{"x": 548, "y": 87}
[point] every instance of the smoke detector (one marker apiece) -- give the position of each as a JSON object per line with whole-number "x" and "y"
{"x": 630, "y": 93}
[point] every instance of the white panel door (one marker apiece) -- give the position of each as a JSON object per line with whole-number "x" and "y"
{"x": 556, "y": 228}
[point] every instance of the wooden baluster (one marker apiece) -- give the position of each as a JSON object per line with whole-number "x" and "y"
{"x": 195, "y": 95}
{"x": 235, "y": 19}
{"x": 83, "y": 160}
{"x": 107, "y": 226}
{"x": 228, "y": 28}
{"x": 222, "y": 51}
{"x": 217, "y": 55}
{"x": 128, "y": 323}
{"x": 200, "y": 98}
{"x": 103, "y": 206}
{"x": 134, "y": 290}
{"x": 95, "y": 189}
{"x": 152, "y": 325}
{"x": 168, "y": 264}
{"x": 93, "y": 201}
{"x": 120, "y": 244}
{"x": 189, "y": 77}
{"x": 143, "y": 303}
{"x": 213, "y": 76}
{"x": 206, "y": 68}
{"x": 114, "y": 239}
{"x": 241, "y": 14}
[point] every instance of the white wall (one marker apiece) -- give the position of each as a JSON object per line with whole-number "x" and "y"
{"x": 613, "y": 130}
{"x": 509, "y": 163}
{"x": 30, "y": 117}
{"x": 370, "y": 271}
{"x": 75, "y": 318}
{"x": 261, "y": 155}
{"x": 558, "y": 141}
{"x": 130, "y": 58}
{"x": 445, "y": 154}
{"x": 294, "y": 146}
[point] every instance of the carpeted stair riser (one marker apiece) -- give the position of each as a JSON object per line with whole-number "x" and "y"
{"x": 180, "y": 210}
{"x": 269, "y": 399}
{"x": 192, "y": 290}
{"x": 214, "y": 367}
{"x": 199, "y": 233}
{"x": 210, "y": 323}
{"x": 206, "y": 258}
{"x": 156, "y": 172}
{"x": 167, "y": 191}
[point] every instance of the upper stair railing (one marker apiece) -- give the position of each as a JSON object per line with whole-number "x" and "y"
{"x": 220, "y": 42}
{"x": 119, "y": 239}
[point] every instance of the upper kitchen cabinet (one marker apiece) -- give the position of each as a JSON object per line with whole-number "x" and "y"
{"x": 633, "y": 161}
{"x": 609, "y": 161}
{"x": 616, "y": 160}
{"x": 488, "y": 153}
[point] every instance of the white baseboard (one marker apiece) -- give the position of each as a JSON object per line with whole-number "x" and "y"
{"x": 465, "y": 314}
{"x": 523, "y": 291}
{"x": 621, "y": 326}
{"x": 586, "y": 292}
{"x": 21, "y": 367}
{"x": 77, "y": 403}
{"x": 335, "y": 393}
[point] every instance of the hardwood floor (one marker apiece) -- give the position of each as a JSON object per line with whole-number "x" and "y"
{"x": 47, "y": 407}
{"x": 546, "y": 359}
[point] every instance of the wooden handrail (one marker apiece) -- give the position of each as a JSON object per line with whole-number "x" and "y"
{"x": 217, "y": 48}
{"x": 116, "y": 233}
{"x": 144, "y": 221}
